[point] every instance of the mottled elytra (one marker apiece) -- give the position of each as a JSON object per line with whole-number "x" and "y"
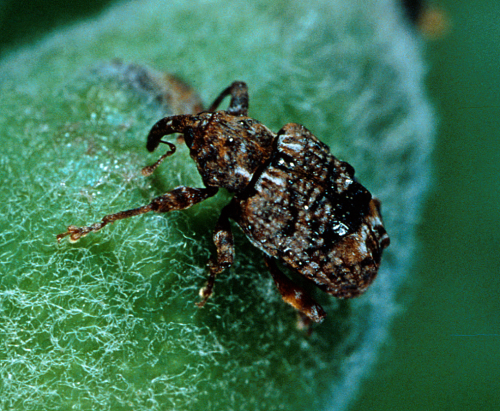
{"x": 294, "y": 201}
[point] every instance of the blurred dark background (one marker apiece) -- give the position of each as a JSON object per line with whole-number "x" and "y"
{"x": 24, "y": 21}
{"x": 445, "y": 347}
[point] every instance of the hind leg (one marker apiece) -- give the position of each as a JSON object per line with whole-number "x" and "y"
{"x": 294, "y": 295}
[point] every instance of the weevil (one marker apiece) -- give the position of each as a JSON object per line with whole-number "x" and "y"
{"x": 294, "y": 200}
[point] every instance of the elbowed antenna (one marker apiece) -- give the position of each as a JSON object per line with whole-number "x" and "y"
{"x": 148, "y": 170}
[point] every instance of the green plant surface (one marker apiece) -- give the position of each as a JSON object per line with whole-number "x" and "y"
{"x": 446, "y": 346}
{"x": 109, "y": 322}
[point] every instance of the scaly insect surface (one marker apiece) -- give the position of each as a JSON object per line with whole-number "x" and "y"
{"x": 294, "y": 201}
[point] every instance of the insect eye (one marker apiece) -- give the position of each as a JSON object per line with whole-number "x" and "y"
{"x": 189, "y": 136}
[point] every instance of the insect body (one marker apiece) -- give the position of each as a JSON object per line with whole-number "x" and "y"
{"x": 293, "y": 199}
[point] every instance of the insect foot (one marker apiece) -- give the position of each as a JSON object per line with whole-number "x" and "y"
{"x": 292, "y": 198}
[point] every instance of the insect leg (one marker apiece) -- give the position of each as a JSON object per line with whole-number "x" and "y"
{"x": 239, "y": 99}
{"x": 294, "y": 295}
{"x": 179, "y": 198}
{"x": 223, "y": 240}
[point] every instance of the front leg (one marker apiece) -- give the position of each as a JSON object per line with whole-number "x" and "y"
{"x": 238, "y": 105}
{"x": 179, "y": 198}
{"x": 224, "y": 244}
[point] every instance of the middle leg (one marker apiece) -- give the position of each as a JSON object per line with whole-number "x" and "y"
{"x": 224, "y": 244}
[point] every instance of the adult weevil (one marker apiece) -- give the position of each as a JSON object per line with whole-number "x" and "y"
{"x": 294, "y": 201}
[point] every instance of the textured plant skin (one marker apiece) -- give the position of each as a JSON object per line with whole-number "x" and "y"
{"x": 110, "y": 322}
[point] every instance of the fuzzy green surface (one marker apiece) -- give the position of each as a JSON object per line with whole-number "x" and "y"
{"x": 110, "y": 322}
